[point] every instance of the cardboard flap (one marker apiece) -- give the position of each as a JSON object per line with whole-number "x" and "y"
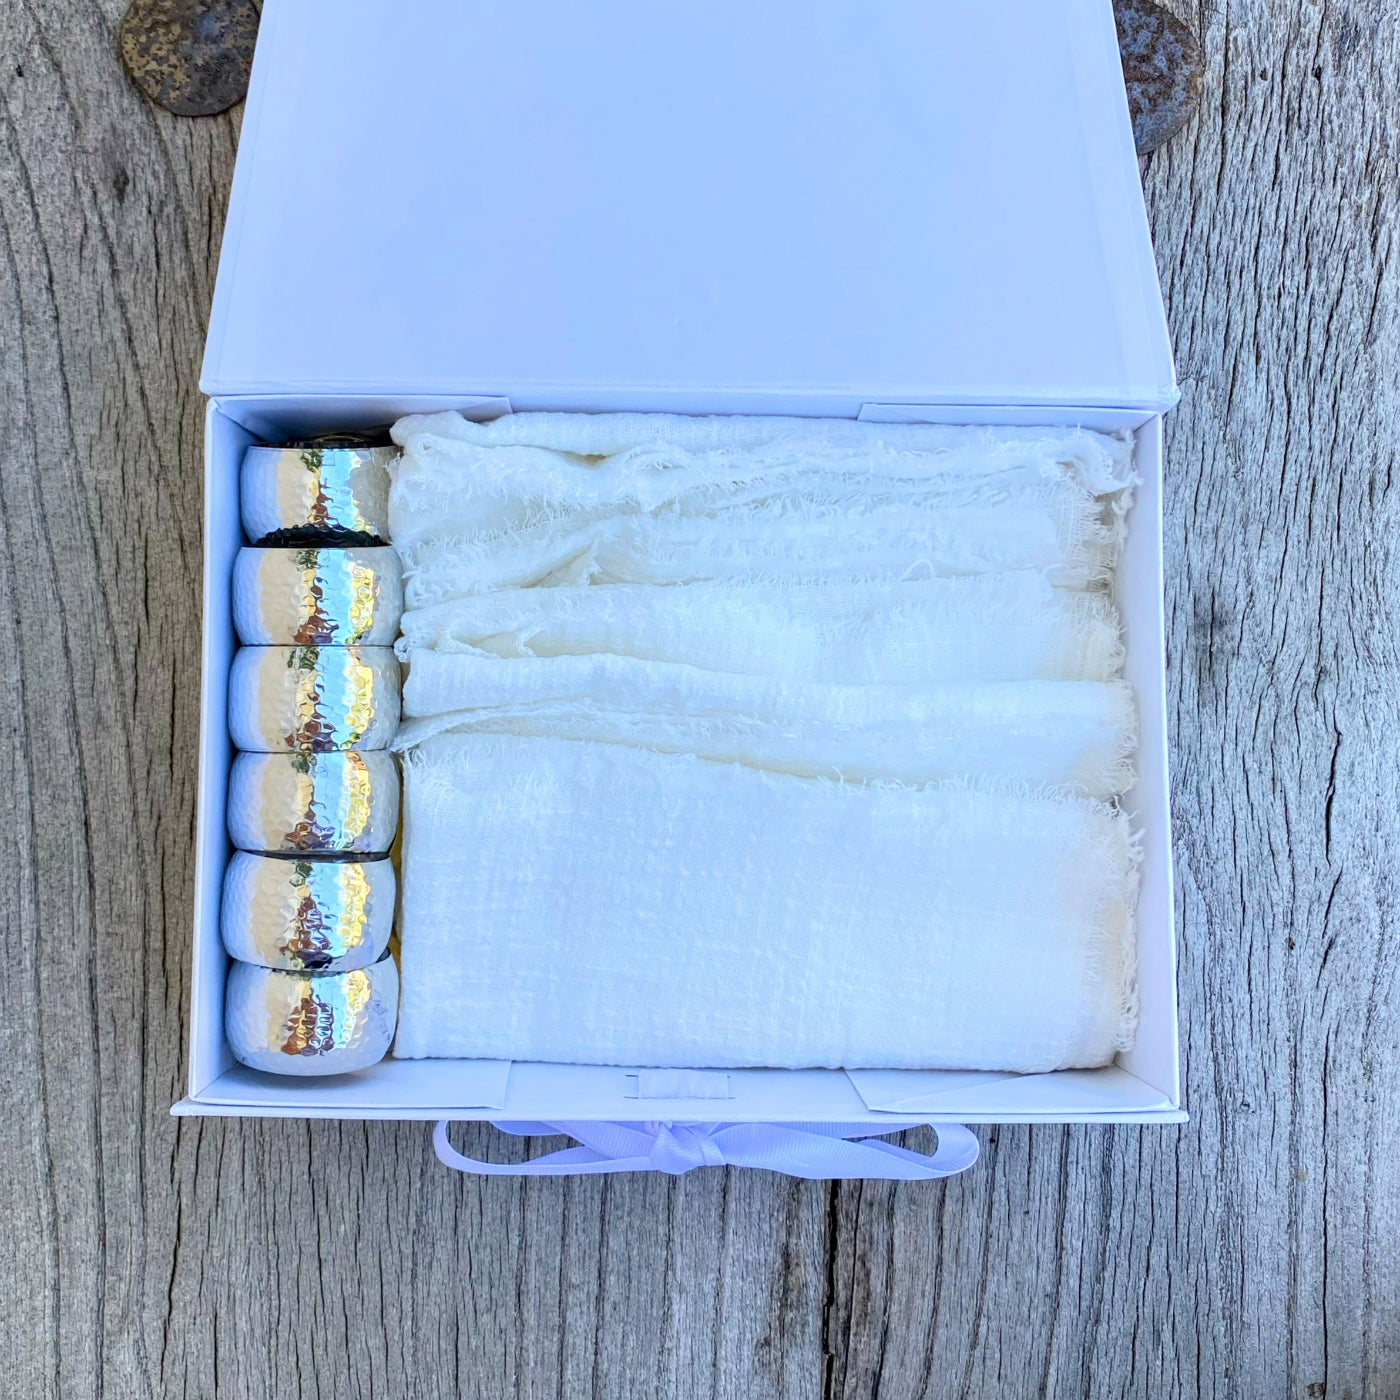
{"x": 1075, "y": 1092}
{"x": 367, "y": 1092}
{"x": 704, "y": 207}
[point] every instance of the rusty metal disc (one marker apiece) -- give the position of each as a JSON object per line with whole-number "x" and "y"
{"x": 191, "y": 57}
{"x": 1163, "y": 68}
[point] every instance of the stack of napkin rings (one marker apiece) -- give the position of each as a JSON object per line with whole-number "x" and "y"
{"x": 313, "y": 803}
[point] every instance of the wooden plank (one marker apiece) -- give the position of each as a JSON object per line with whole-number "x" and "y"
{"x": 346, "y": 1258}
{"x": 105, "y": 255}
{"x": 1229, "y": 1258}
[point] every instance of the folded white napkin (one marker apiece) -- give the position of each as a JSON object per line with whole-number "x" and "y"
{"x": 1076, "y": 735}
{"x": 990, "y": 627}
{"x": 653, "y": 498}
{"x": 652, "y": 448}
{"x": 584, "y": 903}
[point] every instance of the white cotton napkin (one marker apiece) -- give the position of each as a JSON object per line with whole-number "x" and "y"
{"x": 585, "y": 903}
{"x": 1076, "y": 735}
{"x": 1050, "y": 527}
{"x": 746, "y": 447}
{"x": 991, "y": 627}
{"x": 557, "y": 499}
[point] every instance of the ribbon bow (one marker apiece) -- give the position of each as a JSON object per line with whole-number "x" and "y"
{"x": 817, "y": 1151}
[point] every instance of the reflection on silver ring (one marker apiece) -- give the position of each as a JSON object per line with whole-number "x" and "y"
{"x": 307, "y": 913}
{"x": 317, "y": 596}
{"x": 307, "y": 1023}
{"x": 313, "y": 699}
{"x": 301, "y": 495}
{"x": 314, "y": 802}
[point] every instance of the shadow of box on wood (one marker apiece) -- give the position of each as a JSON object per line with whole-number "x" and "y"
{"x": 192, "y": 57}
{"x": 1163, "y": 69}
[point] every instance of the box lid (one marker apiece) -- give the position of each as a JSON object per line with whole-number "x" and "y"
{"x": 917, "y": 201}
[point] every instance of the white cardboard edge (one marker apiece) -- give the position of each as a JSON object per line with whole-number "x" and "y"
{"x": 223, "y": 534}
{"x": 1158, "y": 1041}
{"x": 533, "y": 396}
{"x": 187, "y": 1108}
{"x": 425, "y": 1090}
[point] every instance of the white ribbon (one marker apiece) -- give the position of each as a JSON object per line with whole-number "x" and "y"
{"x": 817, "y": 1151}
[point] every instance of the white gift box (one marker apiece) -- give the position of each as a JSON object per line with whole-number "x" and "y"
{"x": 920, "y": 210}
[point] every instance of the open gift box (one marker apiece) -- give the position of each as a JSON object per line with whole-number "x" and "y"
{"x": 916, "y": 211}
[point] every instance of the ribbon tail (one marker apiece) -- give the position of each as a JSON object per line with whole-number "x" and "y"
{"x": 605, "y": 1147}
{"x": 570, "y": 1161}
{"x": 958, "y": 1148}
{"x": 817, "y": 1157}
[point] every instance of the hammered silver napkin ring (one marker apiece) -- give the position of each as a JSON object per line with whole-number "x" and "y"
{"x": 340, "y": 803}
{"x": 316, "y": 596}
{"x": 307, "y": 915}
{"x": 313, "y": 699}
{"x": 310, "y": 1023}
{"x": 316, "y": 494}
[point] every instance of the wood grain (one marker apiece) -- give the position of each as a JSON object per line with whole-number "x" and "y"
{"x": 1247, "y": 1254}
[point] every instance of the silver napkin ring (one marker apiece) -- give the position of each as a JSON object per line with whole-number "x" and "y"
{"x": 305, "y": 803}
{"x": 307, "y": 914}
{"x": 300, "y": 495}
{"x": 308, "y": 1023}
{"x": 313, "y": 698}
{"x": 317, "y": 596}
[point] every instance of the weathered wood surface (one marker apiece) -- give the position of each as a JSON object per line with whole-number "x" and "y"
{"x": 1248, "y": 1254}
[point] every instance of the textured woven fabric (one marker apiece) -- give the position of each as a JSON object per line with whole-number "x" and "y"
{"x": 584, "y": 903}
{"x": 1076, "y": 735}
{"x": 992, "y": 627}
{"x": 635, "y": 498}
{"x": 750, "y": 446}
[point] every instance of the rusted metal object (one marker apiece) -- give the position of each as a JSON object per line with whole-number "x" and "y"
{"x": 191, "y": 57}
{"x": 1163, "y": 67}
